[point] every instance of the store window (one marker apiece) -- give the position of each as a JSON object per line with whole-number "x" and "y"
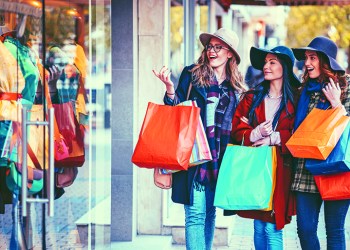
{"x": 176, "y": 38}
{"x": 188, "y": 19}
{"x": 201, "y": 25}
{"x": 55, "y": 52}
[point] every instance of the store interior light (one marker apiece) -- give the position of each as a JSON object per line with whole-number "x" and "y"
{"x": 73, "y": 12}
{"x": 33, "y": 3}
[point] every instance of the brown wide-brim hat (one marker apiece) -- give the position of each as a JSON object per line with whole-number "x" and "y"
{"x": 227, "y": 36}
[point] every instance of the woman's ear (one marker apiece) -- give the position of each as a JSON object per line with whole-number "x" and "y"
{"x": 229, "y": 55}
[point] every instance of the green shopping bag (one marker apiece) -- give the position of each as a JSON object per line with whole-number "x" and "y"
{"x": 247, "y": 178}
{"x": 14, "y": 179}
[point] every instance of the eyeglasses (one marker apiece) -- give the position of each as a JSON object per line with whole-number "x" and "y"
{"x": 216, "y": 48}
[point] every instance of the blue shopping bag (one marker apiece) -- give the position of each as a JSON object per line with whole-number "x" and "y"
{"x": 337, "y": 162}
{"x": 247, "y": 178}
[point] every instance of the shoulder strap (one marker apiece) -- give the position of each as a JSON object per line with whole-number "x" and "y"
{"x": 17, "y": 132}
{"x": 189, "y": 91}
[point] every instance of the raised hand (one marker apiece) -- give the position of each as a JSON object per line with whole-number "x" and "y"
{"x": 164, "y": 75}
{"x": 55, "y": 73}
{"x": 332, "y": 92}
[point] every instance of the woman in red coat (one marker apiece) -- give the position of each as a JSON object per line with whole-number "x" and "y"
{"x": 265, "y": 116}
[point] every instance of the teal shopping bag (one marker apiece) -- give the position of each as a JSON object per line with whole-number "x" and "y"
{"x": 247, "y": 178}
{"x": 6, "y": 132}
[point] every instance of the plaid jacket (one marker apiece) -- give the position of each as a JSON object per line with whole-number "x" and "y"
{"x": 303, "y": 179}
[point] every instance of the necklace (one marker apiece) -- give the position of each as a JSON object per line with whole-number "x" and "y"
{"x": 268, "y": 95}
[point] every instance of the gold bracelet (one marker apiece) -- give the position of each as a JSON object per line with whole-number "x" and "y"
{"x": 170, "y": 93}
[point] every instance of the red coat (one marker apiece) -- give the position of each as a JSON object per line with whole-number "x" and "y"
{"x": 283, "y": 199}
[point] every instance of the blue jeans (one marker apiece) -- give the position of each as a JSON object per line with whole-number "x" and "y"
{"x": 266, "y": 236}
{"x": 200, "y": 220}
{"x": 308, "y": 209}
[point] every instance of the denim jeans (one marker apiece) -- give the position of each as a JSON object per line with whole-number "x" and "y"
{"x": 308, "y": 209}
{"x": 266, "y": 236}
{"x": 200, "y": 220}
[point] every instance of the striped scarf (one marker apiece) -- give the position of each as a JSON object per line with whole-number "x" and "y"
{"x": 220, "y": 107}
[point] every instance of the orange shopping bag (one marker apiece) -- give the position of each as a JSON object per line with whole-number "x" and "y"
{"x": 167, "y": 136}
{"x": 318, "y": 134}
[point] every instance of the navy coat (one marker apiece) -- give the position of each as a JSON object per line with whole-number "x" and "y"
{"x": 183, "y": 180}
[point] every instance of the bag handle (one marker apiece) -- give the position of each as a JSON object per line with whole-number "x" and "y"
{"x": 242, "y": 143}
{"x": 189, "y": 91}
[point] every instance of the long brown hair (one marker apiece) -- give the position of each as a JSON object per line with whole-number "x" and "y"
{"x": 202, "y": 72}
{"x": 326, "y": 73}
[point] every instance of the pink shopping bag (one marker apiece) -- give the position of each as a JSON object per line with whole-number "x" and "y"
{"x": 200, "y": 151}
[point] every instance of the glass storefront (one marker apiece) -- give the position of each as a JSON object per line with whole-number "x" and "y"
{"x": 55, "y": 54}
{"x": 176, "y": 39}
{"x": 195, "y": 14}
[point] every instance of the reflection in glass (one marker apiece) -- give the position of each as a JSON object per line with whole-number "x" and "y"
{"x": 176, "y": 39}
{"x": 75, "y": 51}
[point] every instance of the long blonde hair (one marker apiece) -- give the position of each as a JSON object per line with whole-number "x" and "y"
{"x": 202, "y": 72}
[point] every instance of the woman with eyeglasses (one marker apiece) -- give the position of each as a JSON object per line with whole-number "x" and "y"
{"x": 216, "y": 85}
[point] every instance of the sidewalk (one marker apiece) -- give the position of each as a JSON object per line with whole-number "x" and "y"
{"x": 241, "y": 239}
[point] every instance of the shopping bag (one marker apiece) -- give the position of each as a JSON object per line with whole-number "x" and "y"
{"x": 6, "y": 132}
{"x": 318, "y": 134}
{"x": 334, "y": 186}
{"x": 167, "y": 137}
{"x": 73, "y": 136}
{"x": 14, "y": 179}
{"x": 34, "y": 175}
{"x": 68, "y": 138}
{"x": 247, "y": 178}
{"x": 162, "y": 180}
{"x": 337, "y": 162}
{"x": 200, "y": 151}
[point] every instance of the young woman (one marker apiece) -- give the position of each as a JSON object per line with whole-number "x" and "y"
{"x": 324, "y": 86}
{"x": 216, "y": 85}
{"x": 265, "y": 116}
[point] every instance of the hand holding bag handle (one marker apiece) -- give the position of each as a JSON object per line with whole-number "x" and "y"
{"x": 61, "y": 149}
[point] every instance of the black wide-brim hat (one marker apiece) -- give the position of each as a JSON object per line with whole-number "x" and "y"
{"x": 324, "y": 46}
{"x": 257, "y": 59}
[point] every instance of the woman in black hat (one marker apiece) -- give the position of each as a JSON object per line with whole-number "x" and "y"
{"x": 325, "y": 85}
{"x": 265, "y": 116}
{"x": 215, "y": 84}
